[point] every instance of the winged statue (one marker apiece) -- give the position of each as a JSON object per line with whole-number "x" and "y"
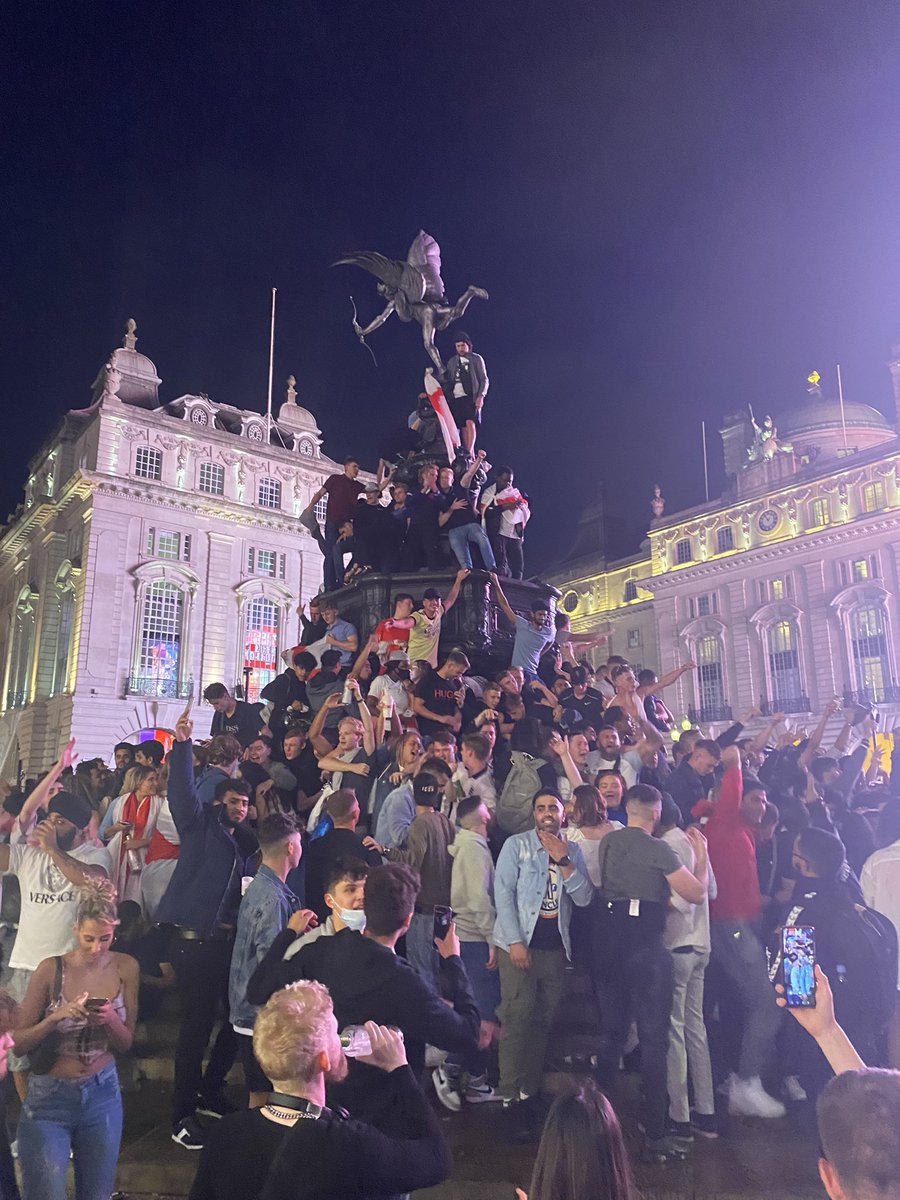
{"x": 414, "y": 290}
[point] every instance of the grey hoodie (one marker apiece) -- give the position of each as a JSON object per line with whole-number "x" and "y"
{"x": 472, "y": 887}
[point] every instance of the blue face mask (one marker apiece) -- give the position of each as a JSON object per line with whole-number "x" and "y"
{"x": 353, "y": 918}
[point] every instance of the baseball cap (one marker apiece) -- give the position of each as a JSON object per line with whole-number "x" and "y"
{"x": 399, "y": 656}
{"x": 372, "y": 487}
{"x": 426, "y": 789}
{"x": 73, "y": 808}
{"x": 431, "y": 594}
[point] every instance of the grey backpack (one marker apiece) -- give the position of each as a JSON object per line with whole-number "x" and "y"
{"x": 514, "y": 806}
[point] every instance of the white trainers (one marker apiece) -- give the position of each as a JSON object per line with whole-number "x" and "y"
{"x": 748, "y": 1098}
{"x": 447, "y": 1090}
{"x": 434, "y": 1057}
{"x": 479, "y": 1091}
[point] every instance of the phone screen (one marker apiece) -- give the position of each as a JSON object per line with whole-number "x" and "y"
{"x": 442, "y": 918}
{"x": 798, "y": 958}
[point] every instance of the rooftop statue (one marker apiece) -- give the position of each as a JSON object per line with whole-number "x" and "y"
{"x": 414, "y": 291}
{"x": 766, "y": 443}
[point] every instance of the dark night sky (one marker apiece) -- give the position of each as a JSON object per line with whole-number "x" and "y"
{"x": 677, "y": 209}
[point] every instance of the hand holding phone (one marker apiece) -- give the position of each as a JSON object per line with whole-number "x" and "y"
{"x": 443, "y": 916}
{"x": 798, "y": 965}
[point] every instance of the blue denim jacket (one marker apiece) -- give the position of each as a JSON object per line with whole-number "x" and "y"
{"x": 519, "y": 885}
{"x": 266, "y": 907}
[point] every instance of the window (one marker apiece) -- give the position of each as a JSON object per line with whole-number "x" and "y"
{"x": 630, "y": 590}
{"x": 21, "y": 652}
{"x": 703, "y": 606}
{"x": 860, "y": 569}
{"x": 819, "y": 513}
{"x": 724, "y": 539}
{"x": 870, "y": 652}
{"x": 268, "y": 494}
{"x": 784, "y": 662}
{"x": 261, "y": 638}
{"x": 148, "y": 463}
{"x": 63, "y": 641}
{"x": 710, "y": 678}
{"x": 321, "y": 509}
{"x": 873, "y": 497}
{"x": 164, "y": 543}
{"x": 776, "y": 588}
{"x": 683, "y": 551}
{"x": 570, "y": 599}
{"x": 212, "y": 479}
{"x": 159, "y": 651}
{"x": 634, "y": 639}
{"x": 268, "y": 563}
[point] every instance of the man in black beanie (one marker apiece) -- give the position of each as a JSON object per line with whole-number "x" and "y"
{"x": 52, "y": 859}
{"x": 465, "y": 386}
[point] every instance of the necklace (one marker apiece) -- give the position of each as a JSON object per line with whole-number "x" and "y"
{"x": 293, "y": 1108}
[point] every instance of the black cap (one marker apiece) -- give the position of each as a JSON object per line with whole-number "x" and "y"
{"x": 463, "y": 337}
{"x": 426, "y": 790}
{"x": 431, "y": 594}
{"x": 72, "y": 807}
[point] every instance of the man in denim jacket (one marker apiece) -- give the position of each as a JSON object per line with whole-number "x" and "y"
{"x": 268, "y": 906}
{"x": 539, "y": 877}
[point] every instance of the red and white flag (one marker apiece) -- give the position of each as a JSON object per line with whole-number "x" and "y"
{"x": 449, "y": 432}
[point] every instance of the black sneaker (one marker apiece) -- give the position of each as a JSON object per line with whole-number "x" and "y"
{"x": 705, "y": 1125}
{"x": 216, "y": 1105}
{"x": 188, "y": 1134}
{"x": 659, "y": 1150}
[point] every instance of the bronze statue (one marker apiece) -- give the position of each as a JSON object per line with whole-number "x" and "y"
{"x": 414, "y": 291}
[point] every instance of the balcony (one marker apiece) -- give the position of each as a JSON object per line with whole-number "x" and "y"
{"x": 709, "y": 714}
{"x": 158, "y": 687}
{"x": 889, "y": 693}
{"x": 784, "y": 704}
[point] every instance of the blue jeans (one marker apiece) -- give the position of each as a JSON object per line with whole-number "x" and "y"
{"x": 421, "y": 951}
{"x": 486, "y": 990}
{"x": 84, "y": 1115}
{"x": 464, "y": 536}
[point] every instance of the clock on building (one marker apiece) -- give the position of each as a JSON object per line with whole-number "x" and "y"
{"x": 255, "y": 432}
{"x": 768, "y": 519}
{"x": 199, "y": 416}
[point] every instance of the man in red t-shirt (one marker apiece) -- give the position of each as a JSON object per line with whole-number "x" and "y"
{"x": 734, "y": 916}
{"x": 393, "y": 632}
{"x": 342, "y": 492}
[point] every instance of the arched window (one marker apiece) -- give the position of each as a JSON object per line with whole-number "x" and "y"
{"x": 160, "y": 640}
{"x": 262, "y": 630}
{"x": 782, "y": 641}
{"x": 21, "y": 653}
{"x": 710, "y": 677}
{"x": 869, "y": 647}
{"x": 65, "y": 620}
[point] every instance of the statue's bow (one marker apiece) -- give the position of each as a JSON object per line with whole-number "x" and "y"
{"x": 360, "y": 334}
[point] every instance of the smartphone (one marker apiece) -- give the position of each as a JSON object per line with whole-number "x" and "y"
{"x": 798, "y": 961}
{"x": 442, "y": 918}
{"x": 95, "y": 1003}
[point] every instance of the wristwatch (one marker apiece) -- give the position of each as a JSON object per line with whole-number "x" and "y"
{"x": 565, "y": 861}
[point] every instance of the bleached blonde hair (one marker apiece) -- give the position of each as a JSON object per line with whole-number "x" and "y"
{"x": 292, "y": 1029}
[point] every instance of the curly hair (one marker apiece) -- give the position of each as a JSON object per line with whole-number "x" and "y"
{"x": 97, "y": 902}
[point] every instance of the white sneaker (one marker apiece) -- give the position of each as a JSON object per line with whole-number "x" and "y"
{"x": 434, "y": 1057}
{"x": 447, "y": 1090}
{"x": 479, "y": 1091}
{"x": 748, "y": 1098}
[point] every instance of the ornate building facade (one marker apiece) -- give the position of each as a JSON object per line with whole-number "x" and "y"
{"x": 784, "y": 590}
{"x": 158, "y": 549}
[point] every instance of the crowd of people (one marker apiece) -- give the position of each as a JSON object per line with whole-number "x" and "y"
{"x": 383, "y": 874}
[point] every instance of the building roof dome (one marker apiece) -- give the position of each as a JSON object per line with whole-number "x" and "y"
{"x": 128, "y": 374}
{"x": 818, "y": 414}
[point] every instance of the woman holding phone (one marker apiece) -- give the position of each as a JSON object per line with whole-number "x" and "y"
{"x": 79, "y": 1010}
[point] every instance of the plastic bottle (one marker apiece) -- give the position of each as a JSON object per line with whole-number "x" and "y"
{"x": 355, "y": 1041}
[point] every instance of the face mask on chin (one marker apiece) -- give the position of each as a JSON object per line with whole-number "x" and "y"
{"x": 353, "y": 918}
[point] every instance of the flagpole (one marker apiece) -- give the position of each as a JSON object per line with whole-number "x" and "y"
{"x": 271, "y": 366}
{"x": 705, "y": 464}
{"x": 841, "y": 401}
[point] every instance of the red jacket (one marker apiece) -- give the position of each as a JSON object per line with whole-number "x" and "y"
{"x": 732, "y": 853}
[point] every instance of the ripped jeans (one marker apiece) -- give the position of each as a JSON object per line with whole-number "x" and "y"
{"x": 59, "y": 1115}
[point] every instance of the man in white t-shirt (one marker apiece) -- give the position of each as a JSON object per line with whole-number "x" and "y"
{"x": 52, "y": 860}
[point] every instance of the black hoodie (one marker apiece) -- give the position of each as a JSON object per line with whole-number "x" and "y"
{"x": 369, "y": 982}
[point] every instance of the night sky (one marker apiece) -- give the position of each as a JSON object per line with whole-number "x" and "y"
{"x": 677, "y": 209}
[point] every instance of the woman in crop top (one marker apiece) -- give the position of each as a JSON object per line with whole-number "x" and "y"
{"x": 79, "y": 1010}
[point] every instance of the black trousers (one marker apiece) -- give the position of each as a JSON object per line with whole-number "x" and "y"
{"x": 510, "y": 556}
{"x": 201, "y": 970}
{"x": 638, "y": 987}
